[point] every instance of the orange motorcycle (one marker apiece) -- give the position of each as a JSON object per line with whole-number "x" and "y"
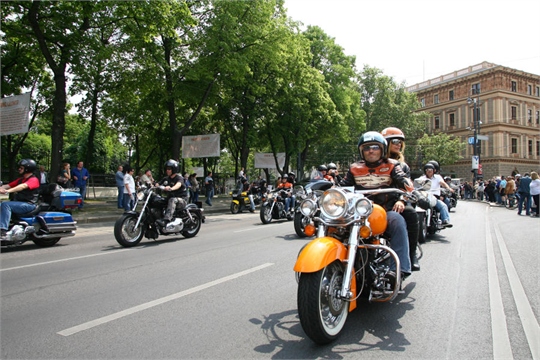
{"x": 350, "y": 257}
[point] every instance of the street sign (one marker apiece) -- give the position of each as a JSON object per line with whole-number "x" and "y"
{"x": 475, "y": 162}
{"x": 471, "y": 140}
{"x": 482, "y": 137}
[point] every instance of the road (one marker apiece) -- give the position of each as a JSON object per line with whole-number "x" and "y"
{"x": 230, "y": 293}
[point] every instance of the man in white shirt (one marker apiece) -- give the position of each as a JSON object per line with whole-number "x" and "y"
{"x": 436, "y": 182}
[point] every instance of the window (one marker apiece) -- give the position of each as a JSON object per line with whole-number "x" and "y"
{"x": 451, "y": 95}
{"x": 423, "y": 102}
{"x": 437, "y": 122}
{"x": 436, "y": 99}
{"x": 529, "y": 115}
{"x": 476, "y": 89}
{"x": 538, "y": 91}
{"x": 530, "y": 147}
{"x": 538, "y": 117}
{"x": 514, "y": 146}
{"x": 538, "y": 148}
{"x": 452, "y": 120}
{"x": 529, "y": 89}
{"x": 514, "y": 113}
{"x": 514, "y": 86}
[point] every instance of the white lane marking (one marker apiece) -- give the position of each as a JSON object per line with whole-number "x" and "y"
{"x": 150, "y": 304}
{"x": 526, "y": 314}
{"x": 62, "y": 260}
{"x": 258, "y": 227}
{"x": 499, "y": 332}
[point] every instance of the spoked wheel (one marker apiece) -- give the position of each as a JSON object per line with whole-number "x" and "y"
{"x": 510, "y": 204}
{"x": 125, "y": 231}
{"x": 191, "y": 228}
{"x": 266, "y": 214}
{"x": 322, "y": 313}
{"x": 235, "y": 208}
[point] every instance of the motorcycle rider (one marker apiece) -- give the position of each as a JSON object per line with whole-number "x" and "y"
{"x": 396, "y": 146}
{"x": 376, "y": 171}
{"x": 247, "y": 188}
{"x": 26, "y": 194}
{"x": 177, "y": 191}
{"x": 436, "y": 183}
{"x": 332, "y": 171}
{"x": 287, "y": 186}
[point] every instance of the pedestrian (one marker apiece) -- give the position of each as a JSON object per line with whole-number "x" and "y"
{"x": 187, "y": 183}
{"x": 147, "y": 179}
{"x": 119, "y": 177}
{"x": 129, "y": 188}
{"x": 64, "y": 179}
{"x": 480, "y": 190}
{"x": 25, "y": 192}
{"x": 209, "y": 185}
{"x": 43, "y": 176}
{"x": 535, "y": 192}
{"x": 80, "y": 176}
{"x": 524, "y": 191}
{"x": 194, "y": 188}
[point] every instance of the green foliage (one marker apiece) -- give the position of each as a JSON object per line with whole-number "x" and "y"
{"x": 440, "y": 147}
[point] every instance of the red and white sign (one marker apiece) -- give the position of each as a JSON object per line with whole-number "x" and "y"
{"x": 267, "y": 161}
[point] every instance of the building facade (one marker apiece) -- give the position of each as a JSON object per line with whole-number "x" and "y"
{"x": 507, "y": 121}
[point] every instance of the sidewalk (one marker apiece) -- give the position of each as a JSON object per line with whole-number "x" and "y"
{"x": 105, "y": 209}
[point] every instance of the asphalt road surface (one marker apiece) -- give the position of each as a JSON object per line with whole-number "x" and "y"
{"x": 230, "y": 293}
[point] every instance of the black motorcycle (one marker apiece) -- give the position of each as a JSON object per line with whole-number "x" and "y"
{"x": 273, "y": 207}
{"x": 132, "y": 226}
{"x": 452, "y": 197}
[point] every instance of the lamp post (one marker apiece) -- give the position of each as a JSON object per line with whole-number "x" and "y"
{"x": 476, "y": 150}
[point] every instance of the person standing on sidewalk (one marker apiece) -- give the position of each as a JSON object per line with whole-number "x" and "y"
{"x": 535, "y": 192}
{"x": 81, "y": 175}
{"x": 209, "y": 185}
{"x": 194, "y": 188}
{"x": 524, "y": 191}
{"x": 119, "y": 177}
{"x": 129, "y": 188}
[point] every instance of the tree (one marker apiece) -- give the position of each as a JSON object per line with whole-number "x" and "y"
{"x": 441, "y": 147}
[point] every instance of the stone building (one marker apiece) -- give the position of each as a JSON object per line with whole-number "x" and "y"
{"x": 507, "y": 103}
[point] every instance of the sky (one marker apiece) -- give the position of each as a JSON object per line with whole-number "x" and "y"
{"x": 417, "y": 40}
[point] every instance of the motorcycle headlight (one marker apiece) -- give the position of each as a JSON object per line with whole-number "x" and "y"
{"x": 333, "y": 204}
{"x": 141, "y": 195}
{"x": 364, "y": 207}
{"x": 308, "y": 207}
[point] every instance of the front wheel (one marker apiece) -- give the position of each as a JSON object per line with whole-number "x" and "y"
{"x": 125, "y": 231}
{"x": 235, "y": 208}
{"x": 266, "y": 213}
{"x": 322, "y": 313}
{"x": 299, "y": 224}
{"x": 422, "y": 228}
{"x": 192, "y": 227}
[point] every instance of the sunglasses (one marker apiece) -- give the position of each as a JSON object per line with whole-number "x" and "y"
{"x": 371, "y": 147}
{"x": 396, "y": 141}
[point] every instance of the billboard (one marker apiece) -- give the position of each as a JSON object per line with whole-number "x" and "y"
{"x": 14, "y": 114}
{"x": 200, "y": 146}
{"x": 266, "y": 160}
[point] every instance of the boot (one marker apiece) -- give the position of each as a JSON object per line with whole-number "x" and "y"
{"x": 415, "y": 265}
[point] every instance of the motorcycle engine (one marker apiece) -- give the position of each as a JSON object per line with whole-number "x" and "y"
{"x": 174, "y": 226}
{"x": 16, "y": 233}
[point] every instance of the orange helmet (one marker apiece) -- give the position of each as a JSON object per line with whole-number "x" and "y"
{"x": 393, "y": 133}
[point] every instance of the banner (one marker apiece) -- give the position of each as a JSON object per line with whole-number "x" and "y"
{"x": 266, "y": 160}
{"x": 14, "y": 114}
{"x": 200, "y": 146}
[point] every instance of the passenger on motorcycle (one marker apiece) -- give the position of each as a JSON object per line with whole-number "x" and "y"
{"x": 287, "y": 187}
{"x": 436, "y": 183}
{"x": 247, "y": 188}
{"x": 376, "y": 171}
{"x": 396, "y": 146}
{"x": 26, "y": 190}
{"x": 177, "y": 191}
{"x": 333, "y": 172}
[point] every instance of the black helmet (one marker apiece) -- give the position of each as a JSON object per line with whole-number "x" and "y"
{"x": 291, "y": 174}
{"x": 322, "y": 168}
{"x": 436, "y": 166}
{"x": 173, "y": 164}
{"x": 29, "y": 165}
{"x": 332, "y": 166}
{"x": 429, "y": 165}
{"x": 372, "y": 137}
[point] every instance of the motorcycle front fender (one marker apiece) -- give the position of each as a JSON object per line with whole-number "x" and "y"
{"x": 319, "y": 253}
{"x": 236, "y": 202}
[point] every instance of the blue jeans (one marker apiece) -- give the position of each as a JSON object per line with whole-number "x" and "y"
{"x": 209, "y": 196}
{"x": 522, "y": 197}
{"x": 443, "y": 210}
{"x": 83, "y": 194}
{"x": 397, "y": 229}
{"x": 120, "y": 198}
{"x": 15, "y": 207}
{"x": 129, "y": 202}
